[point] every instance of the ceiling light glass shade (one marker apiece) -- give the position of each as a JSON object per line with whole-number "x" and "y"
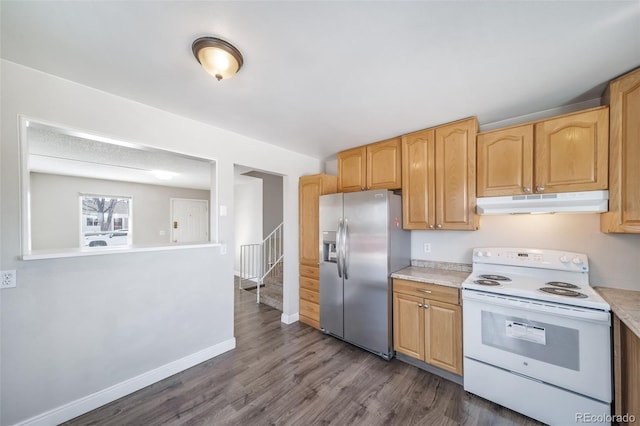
{"x": 217, "y": 57}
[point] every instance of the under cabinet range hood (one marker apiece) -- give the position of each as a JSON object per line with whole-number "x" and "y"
{"x": 564, "y": 202}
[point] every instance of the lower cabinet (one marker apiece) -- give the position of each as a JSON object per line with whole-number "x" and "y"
{"x": 310, "y": 296}
{"x": 626, "y": 370}
{"x": 427, "y": 323}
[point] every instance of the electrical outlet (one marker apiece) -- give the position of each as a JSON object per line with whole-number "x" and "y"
{"x": 427, "y": 247}
{"x": 8, "y": 279}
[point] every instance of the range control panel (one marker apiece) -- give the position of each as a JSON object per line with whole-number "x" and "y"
{"x": 532, "y": 258}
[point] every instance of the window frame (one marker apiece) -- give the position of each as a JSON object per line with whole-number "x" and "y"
{"x": 83, "y": 220}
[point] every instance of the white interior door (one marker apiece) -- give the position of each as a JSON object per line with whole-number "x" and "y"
{"x": 189, "y": 220}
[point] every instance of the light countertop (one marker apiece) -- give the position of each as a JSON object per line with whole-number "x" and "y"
{"x": 625, "y": 304}
{"x": 444, "y": 277}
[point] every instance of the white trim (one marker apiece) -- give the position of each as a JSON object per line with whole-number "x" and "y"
{"x": 110, "y": 394}
{"x": 99, "y": 251}
{"x": 289, "y": 319}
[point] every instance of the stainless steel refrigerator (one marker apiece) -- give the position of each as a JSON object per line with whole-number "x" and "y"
{"x": 362, "y": 243}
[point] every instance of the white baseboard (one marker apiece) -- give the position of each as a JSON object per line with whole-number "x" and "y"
{"x": 289, "y": 319}
{"x": 110, "y": 394}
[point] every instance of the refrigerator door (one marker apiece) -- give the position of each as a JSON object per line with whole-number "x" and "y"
{"x": 366, "y": 282}
{"x": 331, "y": 297}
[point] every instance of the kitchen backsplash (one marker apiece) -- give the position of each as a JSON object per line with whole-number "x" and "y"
{"x": 614, "y": 260}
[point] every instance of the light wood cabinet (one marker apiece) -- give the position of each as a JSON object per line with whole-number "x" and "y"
{"x": 439, "y": 177}
{"x": 562, "y": 154}
{"x": 427, "y": 323}
{"x": 373, "y": 166}
{"x": 310, "y": 188}
{"x": 626, "y": 370}
{"x": 623, "y": 98}
{"x": 505, "y": 161}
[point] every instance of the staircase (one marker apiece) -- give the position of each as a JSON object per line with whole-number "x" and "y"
{"x": 261, "y": 269}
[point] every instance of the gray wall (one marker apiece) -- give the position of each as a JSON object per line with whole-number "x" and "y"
{"x": 55, "y": 211}
{"x": 76, "y": 327}
{"x": 614, "y": 260}
{"x": 271, "y": 201}
{"x": 248, "y": 206}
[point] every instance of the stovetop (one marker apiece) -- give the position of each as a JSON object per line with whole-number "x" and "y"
{"x": 546, "y": 275}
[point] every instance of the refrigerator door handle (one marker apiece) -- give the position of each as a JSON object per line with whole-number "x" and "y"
{"x": 345, "y": 240}
{"x": 339, "y": 262}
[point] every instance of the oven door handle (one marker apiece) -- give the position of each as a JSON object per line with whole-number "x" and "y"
{"x": 538, "y": 306}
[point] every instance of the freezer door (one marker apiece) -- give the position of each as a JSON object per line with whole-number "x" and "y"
{"x": 331, "y": 297}
{"x": 366, "y": 282}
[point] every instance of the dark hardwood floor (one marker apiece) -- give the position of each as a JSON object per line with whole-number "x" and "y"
{"x": 294, "y": 375}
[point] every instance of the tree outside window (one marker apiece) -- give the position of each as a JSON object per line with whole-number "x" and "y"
{"x": 105, "y": 220}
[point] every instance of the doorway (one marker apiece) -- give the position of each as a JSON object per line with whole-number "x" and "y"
{"x": 259, "y": 215}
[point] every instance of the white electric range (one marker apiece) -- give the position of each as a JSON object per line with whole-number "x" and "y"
{"x": 537, "y": 335}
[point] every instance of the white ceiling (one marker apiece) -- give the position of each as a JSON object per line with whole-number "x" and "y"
{"x": 58, "y": 151}
{"x": 322, "y": 76}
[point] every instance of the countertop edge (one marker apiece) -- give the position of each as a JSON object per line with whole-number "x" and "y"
{"x": 443, "y": 277}
{"x": 630, "y": 319}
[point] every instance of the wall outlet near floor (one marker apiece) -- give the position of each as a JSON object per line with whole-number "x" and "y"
{"x": 8, "y": 279}
{"x": 427, "y": 247}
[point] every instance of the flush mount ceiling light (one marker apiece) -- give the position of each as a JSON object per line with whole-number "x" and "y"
{"x": 218, "y": 57}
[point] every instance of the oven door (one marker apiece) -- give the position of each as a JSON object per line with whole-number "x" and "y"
{"x": 568, "y": 347}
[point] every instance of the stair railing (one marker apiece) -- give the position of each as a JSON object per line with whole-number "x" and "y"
{"x": 258, "y": 261}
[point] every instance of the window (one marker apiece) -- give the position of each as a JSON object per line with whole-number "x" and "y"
{"x": 101, "y": 217}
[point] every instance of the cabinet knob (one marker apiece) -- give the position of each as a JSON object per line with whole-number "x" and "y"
{"x": 540, "y": 188}
{"x": 362, "y": 188}
{"x": 430, "y": 226}
{"x": 527, "y": 189}
{"x": 439, "y": 226}
{"x": 425, "y": 306}
{"x": 419, "y": 305}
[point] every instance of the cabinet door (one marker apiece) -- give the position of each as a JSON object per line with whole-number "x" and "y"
{"x": 309, "y": 198}
{"x": 571, "y": 152}
{"x": 408, "y": 325}
{"x": 309, "y": 190}
{"x": 418, "y": 180}
{"x": 456, "y": 175}
{"x": 352, "y": 170}
{"x": 505, "y": 162}
{"x": 624, "y": 173}
{"x": 443, "y": 335}
{"x": 384, "y": 165}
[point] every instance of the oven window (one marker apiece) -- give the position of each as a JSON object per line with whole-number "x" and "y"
{"x": 545, "y": 342}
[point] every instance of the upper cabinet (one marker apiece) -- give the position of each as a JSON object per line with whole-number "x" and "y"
{"x": 438, "y": 177}
{"x": 562, "y": 154}
{"x": 374, "y": 166}
{"x": 623, "y": 98}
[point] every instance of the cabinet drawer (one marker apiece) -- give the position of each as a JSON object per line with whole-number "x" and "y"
{"x": 310, "y": 321}
{"x": 428, "y": 291}
{"x": 309, "y": 284}
{"x": 309, "y": 271}
{"x": 311, "y": 296}
{"x": 310, "y": 310}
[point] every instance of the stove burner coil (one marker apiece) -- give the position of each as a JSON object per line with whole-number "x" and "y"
{"x": 562, "y": 284}
{"x": 493, "y": 277}
{"x": 487, "y": 282}
{"x": 563, "y": 292}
